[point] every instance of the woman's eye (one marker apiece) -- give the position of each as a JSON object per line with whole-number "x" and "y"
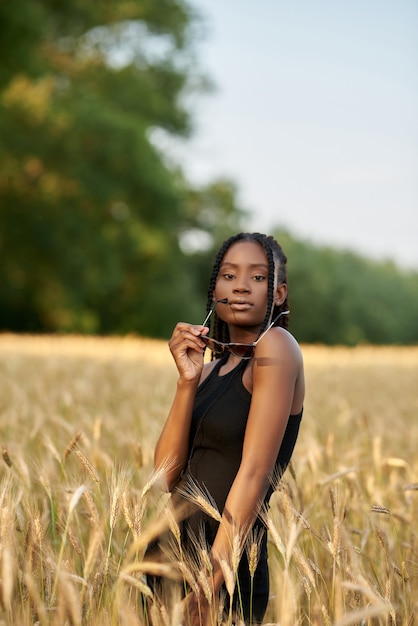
{"x": 259, "y": 278}
{"x": 228, "y": 276}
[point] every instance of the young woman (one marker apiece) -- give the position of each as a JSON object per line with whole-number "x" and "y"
{"x": 234, "y": 420}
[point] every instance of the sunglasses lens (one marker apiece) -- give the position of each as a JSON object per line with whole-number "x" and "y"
{"x": 241, "y": 350}
{"x": 212, "y": 344}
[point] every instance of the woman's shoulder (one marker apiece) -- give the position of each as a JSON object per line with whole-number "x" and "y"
{"x": 280, "y": 344}
{"x": 283, "y": 338}
{"x": 278, "y": 360}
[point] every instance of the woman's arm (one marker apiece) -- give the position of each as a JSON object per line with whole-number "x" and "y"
{"x": 277, "y": 380}
{"x": 172, "y": 446}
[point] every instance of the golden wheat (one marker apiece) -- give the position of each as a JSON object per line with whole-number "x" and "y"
{"x": 79, "y": 501}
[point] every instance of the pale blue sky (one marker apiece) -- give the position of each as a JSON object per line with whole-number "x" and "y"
{"x": 315, "y": 117}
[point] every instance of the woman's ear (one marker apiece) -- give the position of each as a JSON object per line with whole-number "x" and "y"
{"x": 281, "y": 294}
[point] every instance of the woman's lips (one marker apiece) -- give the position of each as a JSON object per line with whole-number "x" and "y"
{"x": 239, "y": 305}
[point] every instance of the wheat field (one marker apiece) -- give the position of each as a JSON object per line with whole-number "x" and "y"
{"x": 79, "y": 501}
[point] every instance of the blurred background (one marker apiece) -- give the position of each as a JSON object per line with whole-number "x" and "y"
{"x": 136, "y": 135}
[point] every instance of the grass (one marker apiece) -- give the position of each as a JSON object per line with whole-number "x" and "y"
{"x": 79, "y": 501}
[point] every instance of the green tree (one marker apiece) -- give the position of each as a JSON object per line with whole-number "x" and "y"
{"x": 339, "y": 297}
{"x": 90, "y": 208}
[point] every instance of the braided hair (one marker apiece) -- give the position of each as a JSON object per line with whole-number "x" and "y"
{"x": 275, "y": 255}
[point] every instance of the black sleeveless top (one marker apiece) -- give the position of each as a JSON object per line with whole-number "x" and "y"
{"x": 220, "y": 414}
{"x": 219, "y": 420}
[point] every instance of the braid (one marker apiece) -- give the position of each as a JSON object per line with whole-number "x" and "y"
{"x": 275, "y": 256}
{"x": 281, "y": 260}
{"x": 220, "y": 331}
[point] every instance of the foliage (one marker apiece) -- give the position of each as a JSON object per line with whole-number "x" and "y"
{"x": 339, "y": 297}
{"x": 100, "y": 232}
{"x": 90, "y": 208}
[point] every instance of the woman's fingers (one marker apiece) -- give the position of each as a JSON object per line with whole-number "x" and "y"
{"x": 196, "y": 610}
{"x": 187, "y": 349}
{"x": 186, "y": 336}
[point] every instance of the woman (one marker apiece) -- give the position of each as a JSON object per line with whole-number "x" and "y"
{"x": 234, "y": 420}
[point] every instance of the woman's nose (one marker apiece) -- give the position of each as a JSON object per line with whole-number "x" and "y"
{"x": 242, "y": 287}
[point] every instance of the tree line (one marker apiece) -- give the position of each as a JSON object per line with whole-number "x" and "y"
{"x": 100, "y": 230}
{"x": 341, "y": 297}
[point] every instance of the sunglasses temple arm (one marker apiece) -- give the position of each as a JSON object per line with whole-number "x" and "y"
{"x": 279, "y": 315}
{"x": 212, "y": 308}
{"x": 272, "y": 324}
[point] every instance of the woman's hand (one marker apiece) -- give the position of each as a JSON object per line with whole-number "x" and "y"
{"x": 196, "y": 611}
{"x": 187, "y": 349}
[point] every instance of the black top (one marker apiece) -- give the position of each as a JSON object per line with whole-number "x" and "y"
{"x": 220, "y": 414}
{"x": 217, "y": 432}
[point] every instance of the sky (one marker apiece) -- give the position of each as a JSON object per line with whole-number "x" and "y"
{"x": 315, "y": 117}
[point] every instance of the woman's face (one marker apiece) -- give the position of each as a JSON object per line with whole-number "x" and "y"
{"x": 243, "y": 279}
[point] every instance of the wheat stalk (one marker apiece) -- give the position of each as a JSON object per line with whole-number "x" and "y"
{"x": 89, "y": 466}
{"x": 72, "y": 445}
{"x": 200, "y": 497}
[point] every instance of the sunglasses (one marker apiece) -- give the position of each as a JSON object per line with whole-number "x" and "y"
{"x": 240, "y": 350}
